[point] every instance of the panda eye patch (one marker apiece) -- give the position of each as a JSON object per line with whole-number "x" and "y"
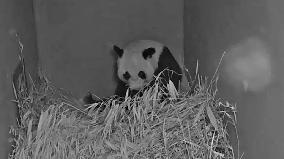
{"x": 126, "y": 76}
{"x": 142, "y": 75}
{"x": 148, "y": 53}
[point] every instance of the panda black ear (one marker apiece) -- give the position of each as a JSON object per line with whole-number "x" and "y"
{"x": 118, "y": 50}
{"x": 148, "y": 53}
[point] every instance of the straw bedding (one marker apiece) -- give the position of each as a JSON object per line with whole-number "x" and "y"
{"x": 53, "y": 124}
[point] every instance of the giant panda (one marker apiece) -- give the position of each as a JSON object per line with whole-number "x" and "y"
{"x": 139, "y": 62}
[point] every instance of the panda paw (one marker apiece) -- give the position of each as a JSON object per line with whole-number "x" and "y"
{"x": 88, "y": 99}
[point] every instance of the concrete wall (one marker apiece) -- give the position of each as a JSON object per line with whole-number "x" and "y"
{"x": 74, "y": 41}
{"x": 76, "y": 37}
{"x": 251, "y": 32}
{"x": 15, "y": 15}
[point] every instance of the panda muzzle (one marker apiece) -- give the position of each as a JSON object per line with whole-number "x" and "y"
{"x": 136, "y": 85}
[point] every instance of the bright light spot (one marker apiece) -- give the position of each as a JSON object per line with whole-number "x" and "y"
{"x": 248, "y": 64}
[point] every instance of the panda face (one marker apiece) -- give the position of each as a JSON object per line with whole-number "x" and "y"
{"x": 134, "y": 70}
{"x": 137, "y": 63}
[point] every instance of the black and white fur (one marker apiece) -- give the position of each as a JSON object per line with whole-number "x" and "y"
{"x": 139, "y": 62}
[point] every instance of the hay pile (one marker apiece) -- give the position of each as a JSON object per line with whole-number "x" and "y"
{"x": 52, "y": 125}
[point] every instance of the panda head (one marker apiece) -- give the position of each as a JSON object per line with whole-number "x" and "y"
{"x": 137, "y": 62}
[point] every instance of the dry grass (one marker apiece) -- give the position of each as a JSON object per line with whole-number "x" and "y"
{"x": 52, "y": 125}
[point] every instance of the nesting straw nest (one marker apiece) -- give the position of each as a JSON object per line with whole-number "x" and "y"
{"x": 53, "y": 125}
